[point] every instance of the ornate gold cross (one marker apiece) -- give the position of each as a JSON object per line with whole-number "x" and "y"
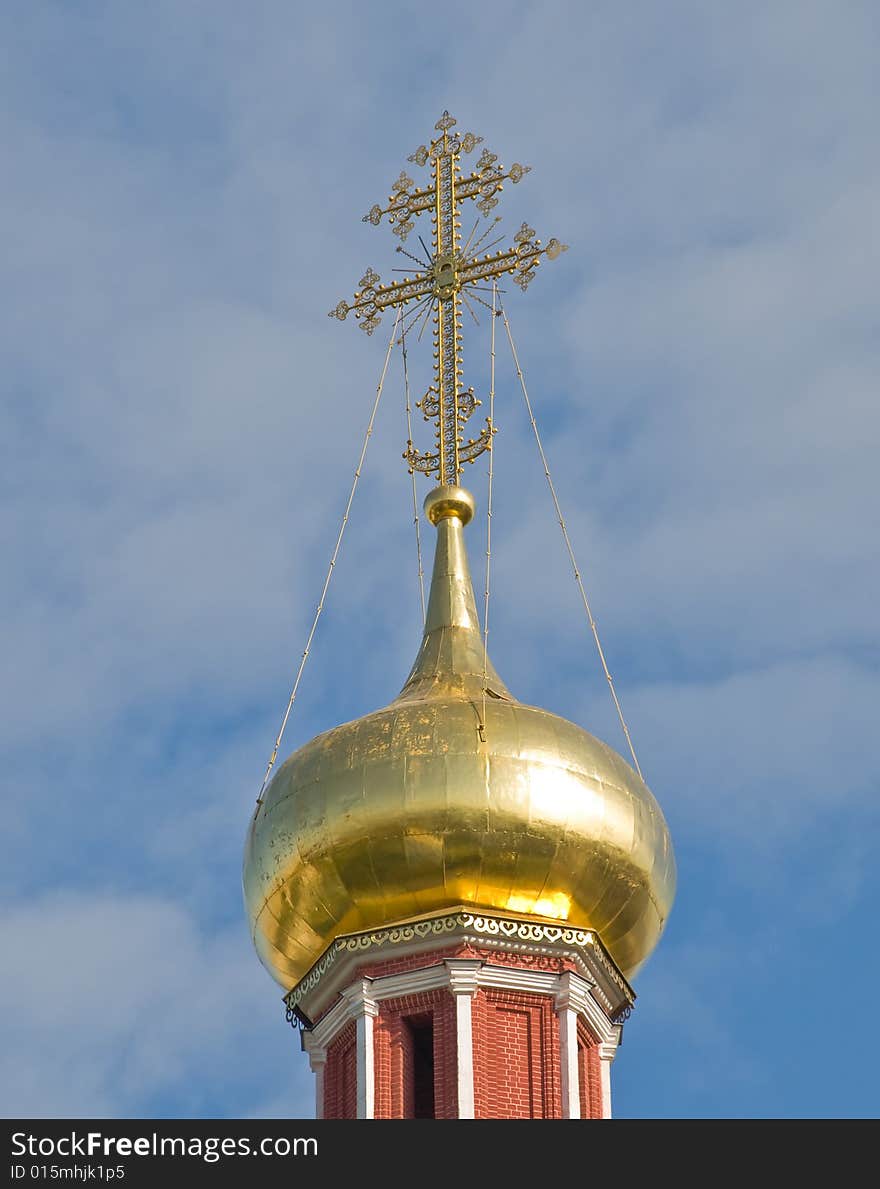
{"x": 445, "y": 277}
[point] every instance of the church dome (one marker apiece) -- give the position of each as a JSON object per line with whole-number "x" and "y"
{"x": 456, "y": 794}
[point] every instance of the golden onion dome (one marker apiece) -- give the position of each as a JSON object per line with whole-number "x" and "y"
{"x": 452, "y": 796}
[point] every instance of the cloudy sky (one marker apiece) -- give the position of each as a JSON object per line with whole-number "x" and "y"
{"x": 179, "y": 207}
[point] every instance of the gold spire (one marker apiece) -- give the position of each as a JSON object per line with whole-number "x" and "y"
{"x": 452, "y": 659}
{"x": 446, "y": 276}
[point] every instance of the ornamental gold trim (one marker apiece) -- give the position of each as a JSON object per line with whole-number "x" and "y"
{"x": 473, "y": 927}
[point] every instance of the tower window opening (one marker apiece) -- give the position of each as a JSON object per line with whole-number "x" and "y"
{"x": 421, "y": 1035}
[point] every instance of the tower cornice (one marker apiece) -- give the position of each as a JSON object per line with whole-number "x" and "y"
{"x": 531, "y": 939}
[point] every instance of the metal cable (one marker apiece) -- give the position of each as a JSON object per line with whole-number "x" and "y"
{"x": 568, "y": 546}
{"x": 320, "y": 607}
{"x": 412, "y": 472}
{"x": 489, "y": 510}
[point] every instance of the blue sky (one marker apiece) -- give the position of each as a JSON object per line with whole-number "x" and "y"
{"x": 180, "y": 207}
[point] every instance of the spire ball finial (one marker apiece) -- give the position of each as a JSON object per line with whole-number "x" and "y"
{"x": 449, "y": 500}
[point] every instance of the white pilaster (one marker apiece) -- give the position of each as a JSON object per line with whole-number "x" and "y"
{"x": 607, "y": 1052}
{"x": 365, "y": 1011}
{"x": 568, "y": 1048}
{"x": 463, "y": 982}
{"x": 318, "y": 1063}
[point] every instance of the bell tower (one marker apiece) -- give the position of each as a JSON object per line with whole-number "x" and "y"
{"x": 454, "y": 890}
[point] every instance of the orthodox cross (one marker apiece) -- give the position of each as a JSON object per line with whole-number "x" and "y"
{"x": 447, "y": 274}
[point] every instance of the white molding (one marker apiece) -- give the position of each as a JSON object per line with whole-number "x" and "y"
{"x": 575, "y": 993}
{"x": 410, "y": 982}
{"x": 514, "y": 978}
{"x": 332, "y": 1022}
{"x": 317, "y": 1053}
{"x": 472, "y": 973}
{"x": 463, "y": 975}
{"x": 608, "y": 1050}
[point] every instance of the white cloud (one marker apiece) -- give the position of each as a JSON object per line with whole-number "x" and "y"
{"x": 114, "y": 1003}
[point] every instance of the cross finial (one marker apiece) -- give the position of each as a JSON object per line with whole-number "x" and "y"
{"x": 448, "y": 274}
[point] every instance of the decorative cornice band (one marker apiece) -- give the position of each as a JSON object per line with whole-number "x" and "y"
{"x": 495, "y": 929}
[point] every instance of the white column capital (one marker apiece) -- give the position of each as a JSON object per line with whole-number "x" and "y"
{"x": 317, "y": 1058}
{"x": 608, "y": 1050}
{"x": 359, "y": 998}
{"x": 572, "y": 992}
{"x": 464, "y": 975}
{"x": 563, "y": 1002}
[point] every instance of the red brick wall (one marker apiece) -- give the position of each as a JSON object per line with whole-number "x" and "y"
{"x": 589, "y": 1074}
{"x": 398, "y": 965}
{"x": 516, "y": 1056}
{"x": 393, "y": 1054}
{"x": 340, "y": 1075}
{"x": 516, "y": 1049}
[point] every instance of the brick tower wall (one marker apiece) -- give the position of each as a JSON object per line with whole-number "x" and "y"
{"x": 394, "y": 1054}
{"x": 516, "y": 1054}
{"x": 589, "y": 1075}
{"x": 340, "y": 1084}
